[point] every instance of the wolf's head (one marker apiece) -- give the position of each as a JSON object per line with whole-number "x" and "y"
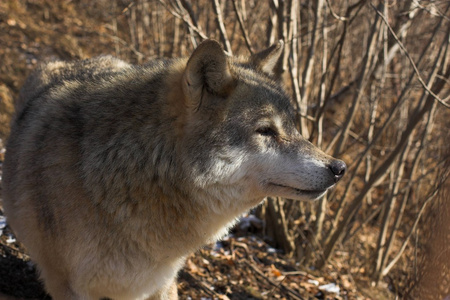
{"x": 240, "y": 133}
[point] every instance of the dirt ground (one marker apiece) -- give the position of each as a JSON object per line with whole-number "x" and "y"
{"x": 242, "y": 267}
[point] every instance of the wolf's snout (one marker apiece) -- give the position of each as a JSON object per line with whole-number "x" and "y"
{"x": 338, "y": 168}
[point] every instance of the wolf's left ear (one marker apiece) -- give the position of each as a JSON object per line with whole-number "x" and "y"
{"x": 266, "y": 60}
{"x": 207, "y": 70}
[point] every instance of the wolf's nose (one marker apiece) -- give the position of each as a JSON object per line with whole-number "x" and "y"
{"x": 338, "y": 168}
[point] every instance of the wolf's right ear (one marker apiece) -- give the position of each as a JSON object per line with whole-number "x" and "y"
{"x": 266, "y": 60}
{"x": 207, "y": 70}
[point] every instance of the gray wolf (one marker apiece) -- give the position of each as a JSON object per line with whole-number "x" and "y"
{"x": 114, "y": 173}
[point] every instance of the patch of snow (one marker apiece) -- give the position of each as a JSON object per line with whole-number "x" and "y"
{"x": 10, "y": 239}
{"x": 312, "y": 281}
{"x": 330, "y": 288}
{"x": 2, "y": 224}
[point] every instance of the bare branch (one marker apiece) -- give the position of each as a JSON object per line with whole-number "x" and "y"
{"x": 419, "y": 77}
{"x": 281, "y": 286}
{"x": 334, "y": 14}
{"x": 310, "y": 64}
{"x": 221, "y": 25}
{"x": 241, "y": 25}
{"x": 189, "y": 22}
{"x": 401, "y": 99}
{"x": 337, "y": 234}
{"x": 363, "y": 80}
{"x": 413, "y": 228}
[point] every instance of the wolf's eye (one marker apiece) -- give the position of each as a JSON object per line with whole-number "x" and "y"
{"x": 267, "y": 131}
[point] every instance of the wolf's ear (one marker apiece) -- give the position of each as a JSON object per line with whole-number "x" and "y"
{"x": 266, "y": 60}
{"x": 207, "y": 70}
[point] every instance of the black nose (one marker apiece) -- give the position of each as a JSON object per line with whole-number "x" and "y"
{"x": 338, "y": 168}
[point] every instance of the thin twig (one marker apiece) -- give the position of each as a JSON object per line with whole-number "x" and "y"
{"x": 436, "y": 97}
{"x": 188, "y": 7}
{"x": 334, "y": 14}
{"x": 291, "y": 292}
{"x": 241, "y": 25}
{"x": 203, "y": 286}
{"x": 401, "y": 99}
{"x": 189, "y": 22}
{"x": 184, "y": 5}
{"x": 435, "y": 13}
{"x": 419, "y": 215}
{"x": 369, "y": 60}
{"x": 128, "y": 7}
{"x": 293, "y": 62}
{"x": 117, "y": 39}
{"x": 336, "y": 49}
{"x": 221, "y": 26}
{"x": 307, "y": 77}
{"x": 337, "y": 233}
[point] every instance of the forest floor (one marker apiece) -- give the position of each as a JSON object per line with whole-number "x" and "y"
{"x": 243, "y": 267}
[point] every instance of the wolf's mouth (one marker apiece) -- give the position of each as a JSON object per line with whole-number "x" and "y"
{"x": 300, "y": 191}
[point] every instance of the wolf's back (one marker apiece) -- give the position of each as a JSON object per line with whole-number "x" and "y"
{"x": 57, "y": 72}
